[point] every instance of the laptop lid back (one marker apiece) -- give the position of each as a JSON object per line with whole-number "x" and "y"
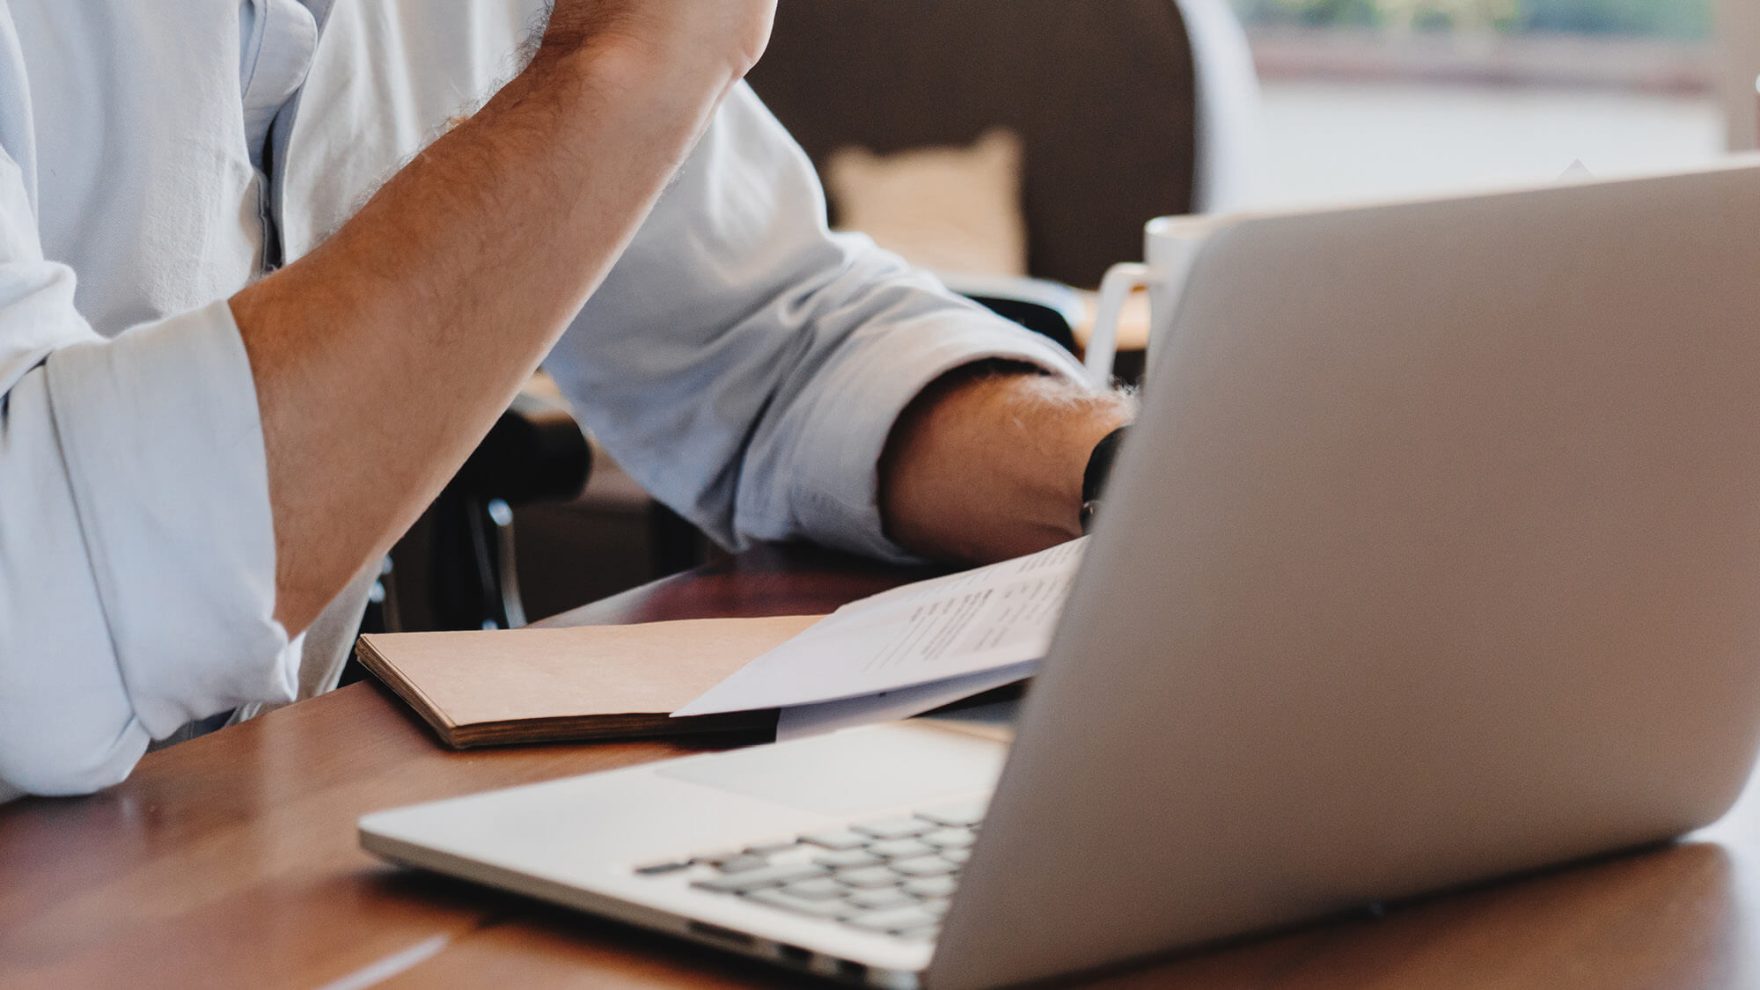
{"x": 1436, "y": 558}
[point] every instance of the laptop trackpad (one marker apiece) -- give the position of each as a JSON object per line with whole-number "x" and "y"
{"x": 848, "y": 773}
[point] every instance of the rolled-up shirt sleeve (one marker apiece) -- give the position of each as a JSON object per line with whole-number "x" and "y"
{"x": 137, "y": 556}
{"x": 747, "y": 365}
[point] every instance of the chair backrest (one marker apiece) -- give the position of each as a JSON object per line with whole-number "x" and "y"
{"x": 1118, "y": 102}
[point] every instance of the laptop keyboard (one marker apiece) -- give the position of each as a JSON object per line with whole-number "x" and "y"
{"x": 893, "y": 876}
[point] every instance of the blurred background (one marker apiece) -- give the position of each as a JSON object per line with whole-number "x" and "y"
{"x": 1365, "y": 98}
{"x": 1017, "y": 146}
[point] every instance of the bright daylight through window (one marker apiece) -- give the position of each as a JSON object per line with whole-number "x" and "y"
{"x": 1368, "y": 98}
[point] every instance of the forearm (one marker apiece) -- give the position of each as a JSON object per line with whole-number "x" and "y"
{"x": 382, "y": 357}
{"x": 987, "y": 464}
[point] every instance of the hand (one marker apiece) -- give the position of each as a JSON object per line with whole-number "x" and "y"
{"x": 725, "y": 37}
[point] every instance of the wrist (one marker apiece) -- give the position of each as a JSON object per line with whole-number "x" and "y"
{"x": 1099, "y": 474}
{"x": 988, "y": 462}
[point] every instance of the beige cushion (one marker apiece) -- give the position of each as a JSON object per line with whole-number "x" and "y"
{"x": 955, "y": 210}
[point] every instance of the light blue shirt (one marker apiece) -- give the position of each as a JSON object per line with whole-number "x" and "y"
{"x": 742, "y": 362}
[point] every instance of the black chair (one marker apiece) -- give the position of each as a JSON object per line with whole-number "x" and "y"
{"x": 535, "y": 452}
{"x": 1128, "y": 110}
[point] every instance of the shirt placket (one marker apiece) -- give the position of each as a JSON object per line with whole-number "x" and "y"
{"x": 281, "y": 43}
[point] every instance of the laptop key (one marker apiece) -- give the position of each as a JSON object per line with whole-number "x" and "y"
{"x": 900, "y": 848}
{"x": 670, "y": 866}
{"x": 838, "y": 840}
{"x": 932, "y": 887}
{"x": 893, "y": 828}
{"x": 742, "y": 864}
{"x": 896, "y": 920}
{"x": 848, "y": 859}
{"x": 783, "y": 899}
{"x": 774, "y": 876}
{"x": 958, "y": 857}
{"x": 869, "y": 878}
{"x": 926, "y": 933}
{"x": 874, "y": 900}
{"x": 950, "y": 838}
{"x": 817, "y": 889}
{"x": 924, "y": 866}
{"x": 794, "y": 856}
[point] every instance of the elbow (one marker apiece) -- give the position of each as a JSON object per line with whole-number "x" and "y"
{"x": 41, "y": 759}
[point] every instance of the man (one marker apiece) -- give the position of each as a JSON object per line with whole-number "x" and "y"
{"x": 198, "y": 465}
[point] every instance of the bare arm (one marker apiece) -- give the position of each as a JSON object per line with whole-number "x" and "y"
{"x": 987, "y": 464}
{"x": 382, "y": 358}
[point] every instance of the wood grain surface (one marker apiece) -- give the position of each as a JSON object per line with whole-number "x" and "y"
{"x": 232, "y": 860}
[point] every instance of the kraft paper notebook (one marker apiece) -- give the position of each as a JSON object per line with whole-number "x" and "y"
{"x": 579, "y": 684}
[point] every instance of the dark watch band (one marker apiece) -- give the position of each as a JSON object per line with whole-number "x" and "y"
{"x": 1099, "y": 470}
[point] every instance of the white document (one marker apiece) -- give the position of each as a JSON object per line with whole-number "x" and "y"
{"x": 801, "y": 721}
{"x": 973, "y": 622}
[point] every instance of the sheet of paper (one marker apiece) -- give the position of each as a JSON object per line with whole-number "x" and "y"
{"x": 891, "y": 706}
{"x": 967, "y": 623}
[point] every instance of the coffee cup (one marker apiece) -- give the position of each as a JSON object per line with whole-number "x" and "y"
{"x": 1170, "y": 247}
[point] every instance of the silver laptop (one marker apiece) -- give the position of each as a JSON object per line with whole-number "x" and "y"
{"x": 1435, "y": 558}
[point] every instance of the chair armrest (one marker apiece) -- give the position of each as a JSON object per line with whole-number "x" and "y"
{"x": 1050, "y": 309}
{"x": 534, "y": 452}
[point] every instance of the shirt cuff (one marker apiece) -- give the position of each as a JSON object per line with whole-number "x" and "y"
{"x": 163, "y": 444}
{"x": 837, "y": 494}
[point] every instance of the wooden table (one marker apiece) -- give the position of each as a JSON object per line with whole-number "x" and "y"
{"x": 232, "y": 860}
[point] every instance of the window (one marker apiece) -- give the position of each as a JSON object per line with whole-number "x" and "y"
{"x": 1688, "y": 20}
{"x": 1371, "y": 98}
